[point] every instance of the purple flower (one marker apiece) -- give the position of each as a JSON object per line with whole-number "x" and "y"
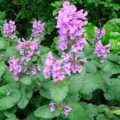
{"x": 71, "y": 62}
{"x": 67, "y": 68}
{"x": 48, "y": 65}
{"x": 33, "y": 45}
{"x": 37, "y": 28}
{"x": 67, "y": 110}
{"x": 101, "y": 51}
{"x": 34, "y": 71}
{"x": 21, "y": 47}
{"x": 58, "y": 74}
{"x": 79, "y": 45}
{"x": 49, "y": 60}
{"x": 53, "y": 68}
{"x": 47, "y": 71}
{"x": 102, "y": 60}
{"x": 76, "y": 68}
{"x": 100, "y": 33}
{"x": 57, "y": 69}
{"x": 9, "y": 29}
{"x": 15, "y": 67}
{"x": 52, "y": 106}
{"x": 70, "y": 24}
{"x": 84, "y": 60}
{"x": 66, "y": 57}
{"x": 27, "y": 49}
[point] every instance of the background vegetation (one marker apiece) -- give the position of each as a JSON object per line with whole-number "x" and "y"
{"x": 24, "y": 11}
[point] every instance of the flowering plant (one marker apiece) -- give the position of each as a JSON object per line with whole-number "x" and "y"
{"x": 67, "y": 83}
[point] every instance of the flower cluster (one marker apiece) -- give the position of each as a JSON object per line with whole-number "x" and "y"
{"x": 99, "y": 34}
{"x": 102, "y": 51}
{"x": 53, "y": 68}
{"x": 37, "y": 28}
{"x": 67, "y": 109}
{"x": 70, "y": 63}
{"x": 15, "y": 67}
{"x": 9, "y": 29}
{"x": 27, "y": 49}
{"x": 70, "y": 24}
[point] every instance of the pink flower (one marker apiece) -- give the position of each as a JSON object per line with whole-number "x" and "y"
{"x": 9, "y": 29}
{"x": 67, "y": 110}
{"x": 84, "y": 60}
{"x": 70, "y": 23}
{"x": 34, "y": 71}
{"x": 100, "y": 33}
{"x": 66, "y": 57}
{"x": 37, "y": 28}
{"x": 101, "y": 51}
{"x": 52, "y": 106}
{"x": 76, "y": 68}
{"x": 27, "y": 49}
{"x": 15, "y": 67}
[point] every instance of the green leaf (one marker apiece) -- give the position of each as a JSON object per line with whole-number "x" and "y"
{"x": 91, "y": 66}
{"x": 57, "y": 4}
{"x": 76, "y": 82}
{"x": 117, "y": 112}
{"x": 10, "y": 112}
{"x": 26, "y": 95}
{"x": 55, "y": 12}
{"x": 10, "y": 78}
{"x": 92, "y": 110}
{"x": 9, "y": 96}
{"x": 112, "y": 28}
{"x": 31, "y": 116}
{"x": 88, "y": 28}
{"x": 114, "y": 58}
{"x": 45, "y": 93}
{"x": 115, "y": 41}
{"x": 11, "y": 52}
{"x": 44, "y": 112}
{"x": 91, "y": 83}
{"x": 2, "y": 69}
{"x": 34, "y": 58}
{"x": 12, "y": 117}
{"x": 78, "y": 112}
{"x": 58, "y": 93}
{"x": 25, "y": 80}
{"x": 101, "y": 117}
{"x": 110, "y": 68}
{"x": 112, "y": 89}
{"x": 2, "y": 45}
{"x": 39, "y": 76}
